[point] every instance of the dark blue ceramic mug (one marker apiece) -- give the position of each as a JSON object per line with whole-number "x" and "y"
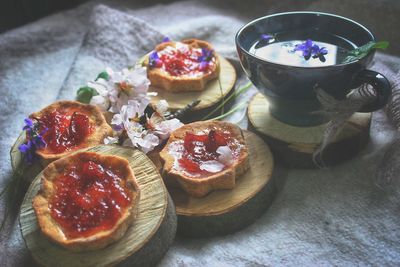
{"x": 290, "y": 89}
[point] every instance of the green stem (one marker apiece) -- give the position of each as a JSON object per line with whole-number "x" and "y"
{"x": 222, "y": 94}
{"x": 239, "y": 106}
{"x": 232, "y": 96}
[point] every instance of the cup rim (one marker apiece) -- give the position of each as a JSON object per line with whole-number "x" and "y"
{"x": 294, "y": 13}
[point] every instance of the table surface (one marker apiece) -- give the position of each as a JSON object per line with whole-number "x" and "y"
{"x": 333, "y": 216}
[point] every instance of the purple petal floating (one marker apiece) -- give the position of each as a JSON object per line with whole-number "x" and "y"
{"x": 309, "y": 49}
{"x": 265, "y": 39}
{"x": 323, "y": 51}
{"x": 166, "y": 39}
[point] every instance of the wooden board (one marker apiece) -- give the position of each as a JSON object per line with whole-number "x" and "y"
{"x": 295, "y": 145}
{"x": 227, "y": 211}
{"x": 144, "y": 243}
{"x": 213, "y": 93}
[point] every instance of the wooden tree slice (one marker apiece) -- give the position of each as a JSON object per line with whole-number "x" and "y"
{"x": 213, "y": 94}
{"x": 145, "y": 242}
{"x": 227, "y": 211}
{"x": 295, "y": 145}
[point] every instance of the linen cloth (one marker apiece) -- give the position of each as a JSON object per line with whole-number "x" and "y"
{"x": 334, "y": 216}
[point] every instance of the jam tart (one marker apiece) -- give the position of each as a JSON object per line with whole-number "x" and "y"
{"x": 182, "y": 66}
{"x": 86, "y": 200}
{"x": 205, "y": 156}
{"x": 68, "y": 126}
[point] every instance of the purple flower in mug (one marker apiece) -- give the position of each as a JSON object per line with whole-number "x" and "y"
{"x": 305, "y": 48}
{"x": 166, "y": 39}
{"x": 320, "y": 53}
{"x": 310, "y": 49}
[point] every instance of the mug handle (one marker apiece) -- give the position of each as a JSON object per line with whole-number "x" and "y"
{"x": 381, "y": 86}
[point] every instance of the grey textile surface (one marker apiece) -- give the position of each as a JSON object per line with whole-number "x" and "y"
{"x": 324, "y": 217}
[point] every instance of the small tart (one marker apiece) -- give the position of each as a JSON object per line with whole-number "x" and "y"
{"x": 86, "y": 200}
{"x": 179, "y": 68}
{"x": 204, "y": 156}
{"x": 70, "y": 126}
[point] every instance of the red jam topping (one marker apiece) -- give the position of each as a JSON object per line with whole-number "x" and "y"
{"x": 202, "y": 148}
{"x": 89, "y": 198}
{"x": 65, "y": 130}
{"x": 183, "y": 60}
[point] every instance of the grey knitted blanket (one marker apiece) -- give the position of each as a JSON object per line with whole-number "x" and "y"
{"x": 319, "y": 217}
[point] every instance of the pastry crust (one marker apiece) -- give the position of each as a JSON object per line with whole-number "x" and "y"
{"x": 101, "y": 128}
{"x": 51, "y": 229}
{"x": 175, "y": 84}
{"x": 199, "y": 187}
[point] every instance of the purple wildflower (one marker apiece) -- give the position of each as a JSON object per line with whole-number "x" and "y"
{"x": 166, "y": 39}
{"x": 310, "y": 49}
{"x": 321, "y": 54}
{"x": 154, "y": 59}
{"x": 28, "y": 124}
{"x": 28, "y": 150}
{"x": 206, "y": 55}
{"x": 205, "y": 58}
{"x": 38, "y": 141}
{"x": 35, "y": 140}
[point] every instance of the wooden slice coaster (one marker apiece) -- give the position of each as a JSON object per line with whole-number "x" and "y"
{"x": 213, "y": 94}
{"x": 295, "y": 146}
{"x": 144, "y": 243}
{"x": 227, "y": 211}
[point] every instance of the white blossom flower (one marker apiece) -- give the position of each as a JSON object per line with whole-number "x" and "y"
{"x": 109, "y": 140}
{"x": 100, "y": 101}
{"x": 140, "y": 138}
{"x": 162, "y": 106}
{"x": 125, "y": 94}
{"x": 132, "y": 111}
{"x": 129, "y": 84}
{"x": 165, "y": 128}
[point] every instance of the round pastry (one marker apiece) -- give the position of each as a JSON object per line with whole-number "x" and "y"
{"x": 182, "y": 66}
{"x": 68, "y": 126}
{"x": 86, "y": 200}
{"x": 204, "y": 156}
